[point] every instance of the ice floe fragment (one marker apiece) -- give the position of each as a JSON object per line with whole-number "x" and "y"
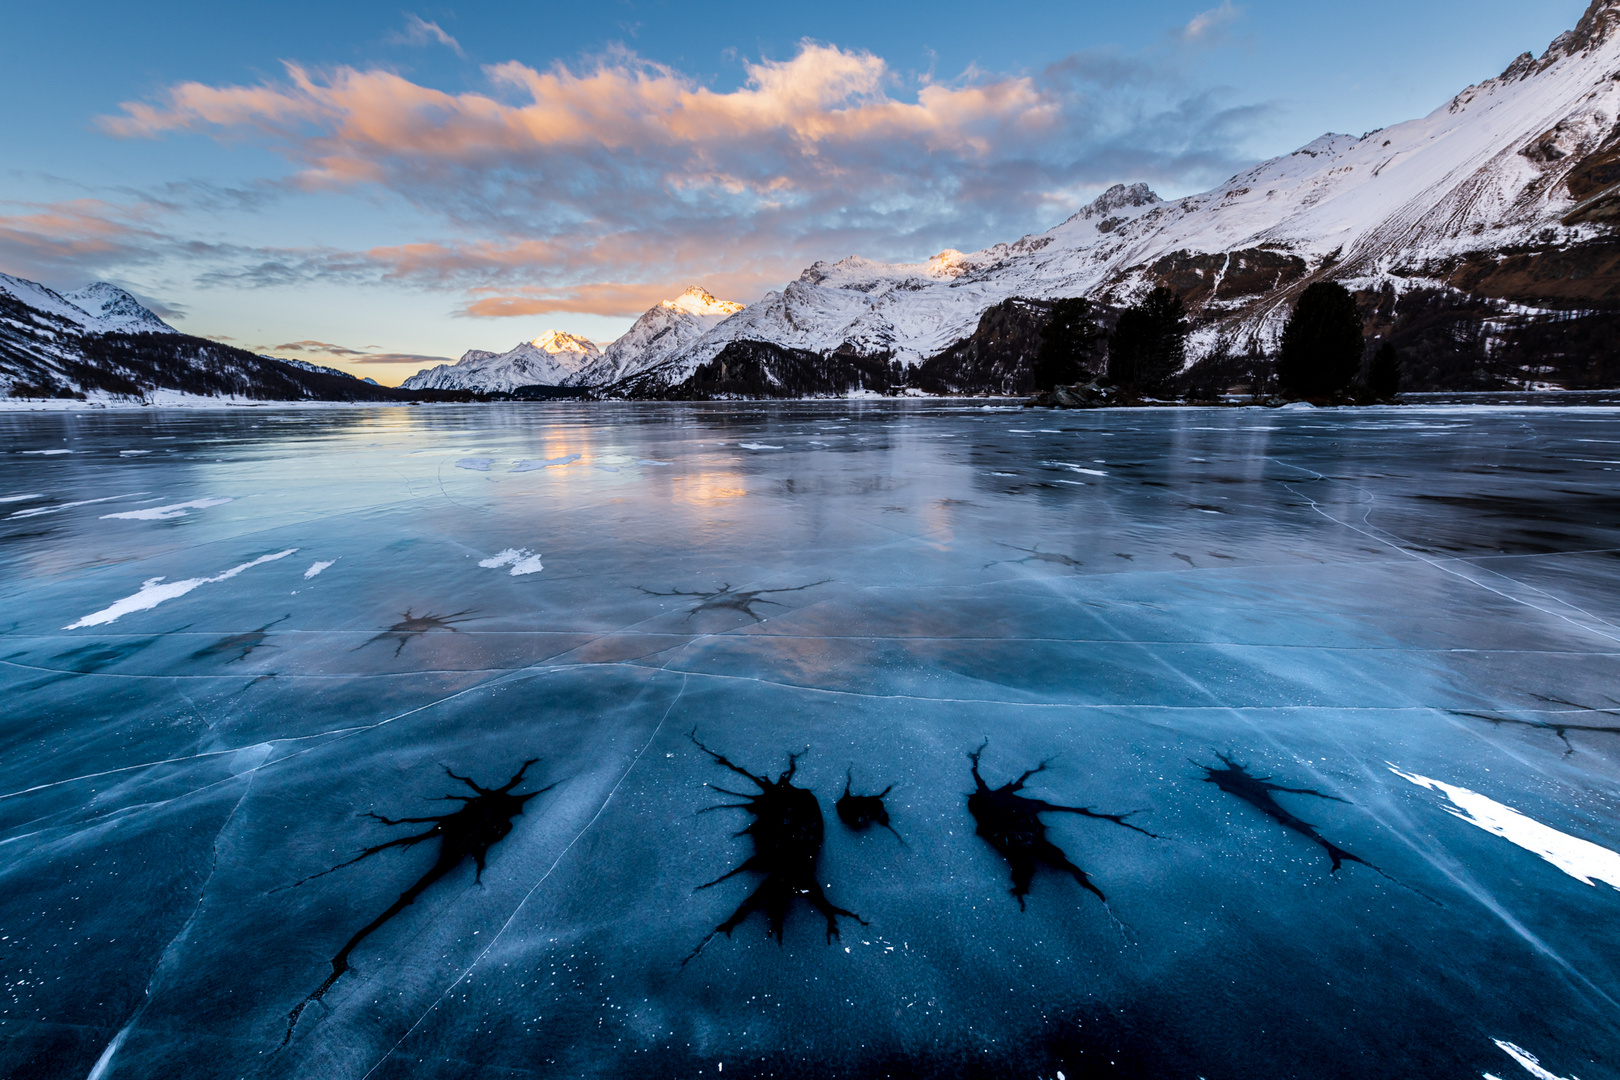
{"x": 521, "y": 560}
{"x": 531, "y": 466}
{"x": 155, "y": 591}
{"x": 164, "y": 513}
{"x": 1580, "y": 859}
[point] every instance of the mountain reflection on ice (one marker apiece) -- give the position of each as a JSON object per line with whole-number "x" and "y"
{"x": 1321, "y": 596}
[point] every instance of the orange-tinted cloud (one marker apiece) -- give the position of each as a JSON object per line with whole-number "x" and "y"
{"x": 604, "y": 186}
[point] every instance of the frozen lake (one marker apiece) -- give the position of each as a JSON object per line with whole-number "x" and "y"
{"x": 230, "y": 636}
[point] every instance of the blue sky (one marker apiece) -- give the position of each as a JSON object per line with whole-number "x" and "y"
{"x": 377, "y": 186}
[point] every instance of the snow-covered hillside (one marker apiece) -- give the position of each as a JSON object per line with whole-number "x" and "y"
{"x": 1511, "y": 190}
{"x": 549, "y": 359}
{"x": 95, "y": 309}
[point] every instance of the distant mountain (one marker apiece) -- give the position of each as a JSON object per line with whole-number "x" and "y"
{"x": 99, "y": 341}
{"x": 663, "y": 332}
{"x": 95, "y": 309}
{"x": 550, "y": 359}
{"x": 1483, "y": 241}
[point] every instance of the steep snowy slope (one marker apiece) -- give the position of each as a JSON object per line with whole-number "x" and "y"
{"x": 549, "y": 359}
{"x": 95, "y": 309}
{"x": 659, "y": 334}
{"x": 1510, "y": 191}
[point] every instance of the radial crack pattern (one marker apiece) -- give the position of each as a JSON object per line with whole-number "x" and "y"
{"x": 1011, "y": 823}
{"x": 787, "y": 832}
{"x": 1256, "y": 791}
{"x": 483, "y": 821}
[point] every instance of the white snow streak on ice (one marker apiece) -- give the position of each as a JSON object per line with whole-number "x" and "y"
{"x": 132, "y": 453}
{"x": 38, "y": 510}
{"x": 47, "y": 453}
{"x": 18, "y": 498}
{"x": 476, "y": 464}
{"x": 521, "y": 560}
{"x": 530, "y": 466}
{"x": 1075, "y": 468}
{"x": 649, "y": 461}
{"x": 164, "y": 513}
{"x": 1531, "y": 1063}
{"x": 316, "y": 568}
{"x": 1580, "y": 859}
{"x": 154, "y": 592}
{"x": 758, "y": 446}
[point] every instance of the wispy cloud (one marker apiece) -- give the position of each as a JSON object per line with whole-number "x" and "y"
{"x": 1206, "y": 25}
{"x": 311, "y": 348}
{"x": 418, "y": 31}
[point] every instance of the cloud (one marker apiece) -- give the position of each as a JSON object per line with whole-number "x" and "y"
{"x": 314, "y": 347}
{"x": 315, "y": 351}
{"x": 72, "y": 239}
{"x": 604, "y": 185}
{"x": 419, "y": 31}
{"x": 1206, "y": 25}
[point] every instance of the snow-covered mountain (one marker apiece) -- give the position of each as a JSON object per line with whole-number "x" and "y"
{"x": 658, "y": 335}
{"x": 1509, "y": 192}
{"x": 549, "y": 359}
{"x": 100, "y": 343}
{"x": 95, "y": 309}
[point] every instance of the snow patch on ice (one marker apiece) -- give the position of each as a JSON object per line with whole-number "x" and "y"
{"x": 132, "y": 453}
{"x": 317, "y": 567}
{"x": 1074, "y": 468}
{"x": 164, "y": 513}
{"x": 521, "y": 560}
{"x": 476, "y": 464}
{"x": 1580, "y": 859}
{"x": 757, "y": 446}
{"x": 1531, "y": 1063}
{"x": 19, "y": 498}
{"x": 48, "y": 453}
{"x": 530, "y": 466}
{"x": 59, "y": 507}
{"x": 155, "y": 591}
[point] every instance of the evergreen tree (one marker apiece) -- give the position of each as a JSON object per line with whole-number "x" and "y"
{"x": 1149, "y": 344}
{"x": 1321, "y": 344}
{"x": 1384, "y": 374}
{"x": 1066, "y": 344}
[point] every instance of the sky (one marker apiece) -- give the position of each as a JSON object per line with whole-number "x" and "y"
{"x": 381, "y": 187}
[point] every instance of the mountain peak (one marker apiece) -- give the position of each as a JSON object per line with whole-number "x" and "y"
{"x": 1121, "y": 197}
{"x": 697, "y": 300}
{"x": 560, "y": 341}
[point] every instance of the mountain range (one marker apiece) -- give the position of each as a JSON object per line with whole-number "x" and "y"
{"x": 1482, "y": 241}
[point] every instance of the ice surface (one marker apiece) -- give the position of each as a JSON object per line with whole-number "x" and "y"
{"x": 1310, "y": 596}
